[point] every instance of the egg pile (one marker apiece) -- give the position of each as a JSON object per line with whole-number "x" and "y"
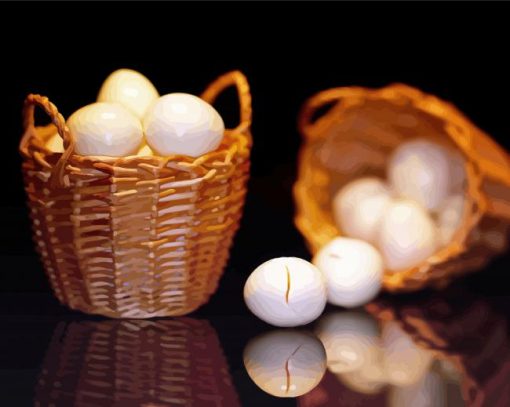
{"x": 388, "y": 226}
{"x": 130, "y": 118}
{"x": 412, "y": 214}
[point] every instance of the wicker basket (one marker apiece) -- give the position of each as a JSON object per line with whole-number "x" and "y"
{"x": 135, "y": 237}
{"x": 356, "y": 136}
{"x": 174, "y": 362}
{"x": 464, "y": 330}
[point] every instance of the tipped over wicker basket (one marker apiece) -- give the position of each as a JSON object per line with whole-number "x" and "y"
{"x": 354, "y": 138}
{"x": 135, "y": 237}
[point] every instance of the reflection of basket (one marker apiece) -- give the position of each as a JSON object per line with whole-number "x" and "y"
{"x": 135, "y": 363}
{"x": 356, "y": 136}
{"x": 464, "y": 330}
{"x": 135, "y": 237}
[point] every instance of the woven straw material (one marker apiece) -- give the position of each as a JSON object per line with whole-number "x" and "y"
{"x": 356, "y": 136}
{"x": 135, "y": 363}
{"x": 135, "y": 237}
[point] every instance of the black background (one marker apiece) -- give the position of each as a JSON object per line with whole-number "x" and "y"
{"x": 288, "y": 52}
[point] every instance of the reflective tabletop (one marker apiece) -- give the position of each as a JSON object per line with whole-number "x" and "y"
{"x": 448, "y": 348}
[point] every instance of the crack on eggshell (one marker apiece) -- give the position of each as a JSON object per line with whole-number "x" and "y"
{"x": 287, "y": 377}
{"x": 287, "y": 372}
{"x": 288, "y": 285}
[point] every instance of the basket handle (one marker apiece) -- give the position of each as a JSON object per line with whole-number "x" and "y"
{"x": 237, "y": 79}
{"x": 32, "y": 101}
{"x": 306, "y": 119}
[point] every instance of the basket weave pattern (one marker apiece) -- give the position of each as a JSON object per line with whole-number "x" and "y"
{"x": 372, "y": 123}
{"x": 136, "y": 237}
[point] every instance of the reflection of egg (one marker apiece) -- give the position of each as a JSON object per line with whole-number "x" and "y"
{"x": 285, "y": 363}
{"x": 358, "y": 207}
{"x": 351, "y": 340}
{"x": 407, "y": 236}
{"x": 429, "y": 391}
{"x": 129, "y": 88}
{"x": 368, "y": 379}
{"x": 180, "y": 123}
{"x": 105, "y": 129}
{"x": 286, "y": 291}
{"x": 421, "y": 170}
{"x": 449, "y": 370}
{"x": 404, "y": 362}
{"x": 55, "y": 143}
{"x": 353, "y": 270}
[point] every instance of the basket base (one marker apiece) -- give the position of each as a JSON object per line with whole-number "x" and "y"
{"x": 134, "y": 314}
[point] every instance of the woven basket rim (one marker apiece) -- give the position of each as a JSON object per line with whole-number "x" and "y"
{"x": 234, "y": 140}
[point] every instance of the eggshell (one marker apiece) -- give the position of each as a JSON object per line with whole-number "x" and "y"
{"x": 129, "y": 88}
{"x": 353, "y": 270}
{"x": 145, "y": 151}
{"x": 180, "y": 123}
{"x": 359, "y": 206}
{"x": 421, "y": 170}
{"x": 450, "y": 217}
{"x": 105, "y": 129}
{"x": 407, "y": 235}
{"x": 286, "y": 291}
{"x": 285, "y": 363}
{"x": 55, "y": 143}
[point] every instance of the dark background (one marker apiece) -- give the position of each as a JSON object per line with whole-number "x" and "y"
{"x": 288, "y": 52}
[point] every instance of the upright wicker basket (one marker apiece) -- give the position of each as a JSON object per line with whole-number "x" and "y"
{"x": 356, "y": 136}
{"x": 135, "y": 237}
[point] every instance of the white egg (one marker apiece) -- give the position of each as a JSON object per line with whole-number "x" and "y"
{"x": 353, "y": 270}
{"x": 449, "y": 217}
{"x": 129, "y": 88}
{"x": 351, "y": 340}
{"x": 145, "y": 151}
{"x": 180, "y": 123}
{"x": 421, "y": 170}
{"x": 285, "y": 363}
{"x": 286, "y": 291}
{"x": 359, "y": 205}
{"x": 105, "y": 129}
{"x": 429, "y": 391}
{"x": 407, "y": 236}
{"x": 405, "y": 363}
{"x": 55, "y": 143}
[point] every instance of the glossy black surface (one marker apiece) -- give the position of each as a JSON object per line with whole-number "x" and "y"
{"x": 288, "y": 53}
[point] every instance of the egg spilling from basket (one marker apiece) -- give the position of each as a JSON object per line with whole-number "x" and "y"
{"x": 136, "y": 197}
{"x": 403, "y": 172}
